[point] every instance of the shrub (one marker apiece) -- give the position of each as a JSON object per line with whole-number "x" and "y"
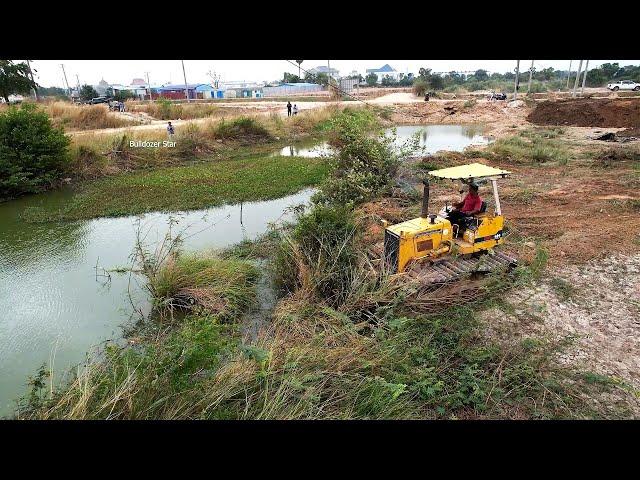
{"x": 33, "y": 154}
{"x": 365, "y": 165}
{"x": 165, "y": 110}
{"x": 420, "y": 87}
{"x": 244, "y": 129}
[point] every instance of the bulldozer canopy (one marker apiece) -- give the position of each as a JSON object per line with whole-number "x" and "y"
{"x": 472, "y": 170}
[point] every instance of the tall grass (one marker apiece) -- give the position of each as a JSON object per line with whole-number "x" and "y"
{"x": 101, "y": 154}
{"x": 85, "y": 117}
{"x": 530, "y": 147}
{"x": 166, "y": 110}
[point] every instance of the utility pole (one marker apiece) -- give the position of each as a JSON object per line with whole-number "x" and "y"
{"x": 584, "y": 77}
{"x": 575, "y": 85}
{"x": 77, "y": 84}
{"x": 186, "y": 86}
{"x": 569, "y": 76}
{"x": 515, "y": 88}
{"x": 149, "y": 86}
{"x": 35, "y": 90}
{"x": 65, "y": 80}
{"x": 530, "y": 76}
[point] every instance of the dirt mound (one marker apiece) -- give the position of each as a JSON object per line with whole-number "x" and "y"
{"x": 588, "y": 112}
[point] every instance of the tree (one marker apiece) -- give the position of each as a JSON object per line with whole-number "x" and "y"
{"x": 319, "y": 78}
{"x": 122, "y": 95}
{"x": 14, "y": 79}
{"x": 290, "y": 78}
{"x": 52, "y": 92}
{"x": 371, "y": 79}
{"x": 481, "y": 75}
{"x": 420, "y": 86}
{"x": 434, "y": 81}
{"x": 406, "y": 80}
{"x": 387, "y": 81}
{"x": 87, "y": 92}
{"x": 33, "y": 154}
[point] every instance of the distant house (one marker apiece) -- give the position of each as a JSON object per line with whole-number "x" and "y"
{"x": 140, "y": 91}
{"x": 384, "y": 71}
{"x": 332, "y": 72}
{"x": 196, "y": 91}
{"x": 243, "y": 90}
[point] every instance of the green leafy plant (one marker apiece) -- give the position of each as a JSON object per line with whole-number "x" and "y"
{"x": 33, "y": 154}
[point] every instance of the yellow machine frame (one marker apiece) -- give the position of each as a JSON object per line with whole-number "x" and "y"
{"x": 432, "y": 236}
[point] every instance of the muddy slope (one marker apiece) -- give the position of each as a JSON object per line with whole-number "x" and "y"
{"x": 588, "y": 112}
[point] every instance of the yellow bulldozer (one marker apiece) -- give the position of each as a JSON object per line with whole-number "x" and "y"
{"x": 437, "y": 251}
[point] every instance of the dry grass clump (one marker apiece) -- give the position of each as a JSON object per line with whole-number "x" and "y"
{"x": 85, "y": 117}
{"x": 166, "y": 110}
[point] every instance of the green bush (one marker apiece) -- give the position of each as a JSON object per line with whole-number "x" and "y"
{"x": 365, "y": 164}
{"x": 33, "y": 154}
{"x": 167, "y": 110}
{"x": 319, "y": 251}
{"x": 244, "y": 129}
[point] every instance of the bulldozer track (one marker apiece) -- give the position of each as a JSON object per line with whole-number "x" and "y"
{"x": 453, "y": 269}
{"x": 447, "y": 270}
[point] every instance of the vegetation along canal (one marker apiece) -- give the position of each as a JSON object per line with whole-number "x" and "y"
{"x": 62, "y": 286}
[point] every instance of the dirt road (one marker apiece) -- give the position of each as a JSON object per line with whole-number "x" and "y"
{"x": 258, "y": 108}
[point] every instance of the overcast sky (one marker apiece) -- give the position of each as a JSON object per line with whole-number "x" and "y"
{"x": 49, "y": 72}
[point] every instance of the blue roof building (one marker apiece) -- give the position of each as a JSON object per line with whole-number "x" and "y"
{"x": 386, "y": 70}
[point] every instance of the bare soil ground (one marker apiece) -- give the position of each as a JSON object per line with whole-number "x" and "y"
{"x": 586, "y": 214}
{"x": 498, "y": 116}
{"x": 598, "y": 305}
{"x": 588, "y": 112}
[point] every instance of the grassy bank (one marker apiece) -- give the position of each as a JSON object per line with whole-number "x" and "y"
{"x": 82, "y": 117}
{"x": 186, "y": 187}
{"x": 98, "y": 155}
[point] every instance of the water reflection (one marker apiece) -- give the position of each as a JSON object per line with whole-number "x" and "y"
{"x": 50, "y": 298}
{"x": 432, "y": 138}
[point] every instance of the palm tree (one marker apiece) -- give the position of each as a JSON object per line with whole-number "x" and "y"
{"x": 299, "y": 62}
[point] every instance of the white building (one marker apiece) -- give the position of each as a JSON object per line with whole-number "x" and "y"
{"x": 386, "y": 70}
{"x": 332, "y": 72}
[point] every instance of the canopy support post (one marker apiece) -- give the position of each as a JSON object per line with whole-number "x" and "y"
{"x": 495, "y": 196}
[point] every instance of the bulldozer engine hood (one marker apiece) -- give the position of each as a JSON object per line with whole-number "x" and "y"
{"x": 419, "y": 227}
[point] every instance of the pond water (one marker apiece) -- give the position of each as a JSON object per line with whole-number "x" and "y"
{"x": 54, "y": 306}
{"x": 432, "y": 138}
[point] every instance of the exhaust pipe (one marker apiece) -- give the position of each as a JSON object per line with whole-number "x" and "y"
{"x": 425, "y": 199}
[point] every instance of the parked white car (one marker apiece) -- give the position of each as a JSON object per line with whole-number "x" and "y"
{"x": 624, "y": 85}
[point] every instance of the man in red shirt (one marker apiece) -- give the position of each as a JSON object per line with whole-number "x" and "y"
{"x": 469, "y": 206}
